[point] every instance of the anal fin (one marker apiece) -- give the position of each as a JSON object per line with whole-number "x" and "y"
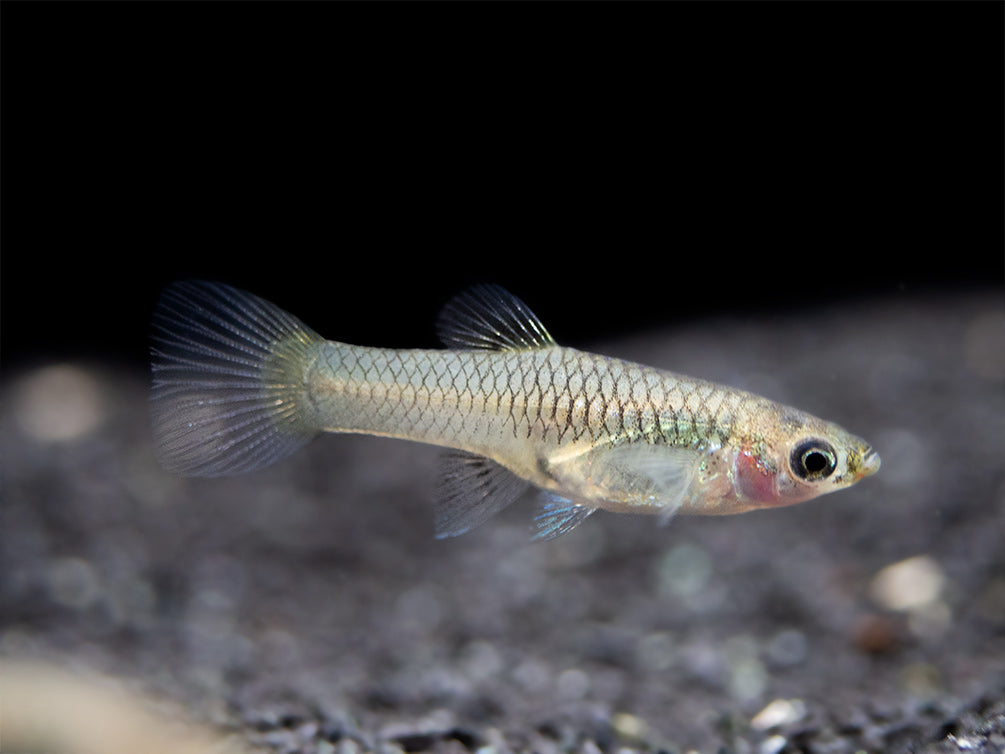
{"x": 558, "y": 516}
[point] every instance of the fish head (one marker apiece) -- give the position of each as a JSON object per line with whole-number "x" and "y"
{"x": 797, "y": 458}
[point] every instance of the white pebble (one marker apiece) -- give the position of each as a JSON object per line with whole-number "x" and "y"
{"x": 59, "y": 403}
{"x": 779, "y": 712}
{"x": 908, "y": 585}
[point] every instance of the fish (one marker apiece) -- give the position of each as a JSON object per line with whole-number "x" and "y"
{"x": 238, "y": 384}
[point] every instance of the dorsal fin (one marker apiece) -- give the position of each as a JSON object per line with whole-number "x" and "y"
{"x": 490, "y": 318}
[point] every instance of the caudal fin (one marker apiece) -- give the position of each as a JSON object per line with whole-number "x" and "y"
{"x": 228, "y": 391}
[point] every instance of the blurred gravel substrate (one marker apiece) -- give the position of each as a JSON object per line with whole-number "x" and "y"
{"x": 308, "y": 607}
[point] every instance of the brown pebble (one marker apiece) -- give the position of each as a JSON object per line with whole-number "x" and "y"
{"x": 876, "y": 634}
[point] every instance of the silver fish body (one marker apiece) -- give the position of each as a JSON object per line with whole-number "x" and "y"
{"x": 238, "y": 383}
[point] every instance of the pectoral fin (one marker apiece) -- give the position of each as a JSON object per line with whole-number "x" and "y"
{"x": 641, "y": 477}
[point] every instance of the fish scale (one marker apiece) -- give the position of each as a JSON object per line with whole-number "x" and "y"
{"x": 239, "y": 383}
{"x": 556, "y": 395}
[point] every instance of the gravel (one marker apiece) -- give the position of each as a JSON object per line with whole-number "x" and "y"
{"x": 307, "y": 608}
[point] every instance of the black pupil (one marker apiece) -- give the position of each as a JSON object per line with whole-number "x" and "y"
{"x": 815, "y": 462}
{"x": 812, "y": 459}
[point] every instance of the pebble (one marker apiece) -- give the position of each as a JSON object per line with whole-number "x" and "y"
{"x": 59, "y": 403}
{"x": 629, "y": 726}
{"x": 773, "y": 745}
{"x": 779, "y": 712}
{"x": 73, "y": 583}
{"x": 908, "y": 584}
{"x": 787, "y": 648}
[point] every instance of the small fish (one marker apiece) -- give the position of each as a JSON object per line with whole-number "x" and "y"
{"x": 238, "y": 384}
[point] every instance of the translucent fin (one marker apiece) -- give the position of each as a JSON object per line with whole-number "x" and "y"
{"x": 227, "y": 380}
{"x": 558, "y": 516}
{"x": 653, "y": 478}
{"x": 490, "y": 318}
{"x": 472, "y": 490}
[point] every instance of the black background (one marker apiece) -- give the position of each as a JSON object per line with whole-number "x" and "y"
{"x": 619, "y": 166}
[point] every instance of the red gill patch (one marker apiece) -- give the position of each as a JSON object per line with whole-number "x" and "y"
{"x": 755, "y": 480}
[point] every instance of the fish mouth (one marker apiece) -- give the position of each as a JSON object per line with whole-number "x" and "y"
{"x": 870, "y": 463}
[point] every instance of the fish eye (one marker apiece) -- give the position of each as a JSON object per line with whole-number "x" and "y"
{"x": 813, "y": 460}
